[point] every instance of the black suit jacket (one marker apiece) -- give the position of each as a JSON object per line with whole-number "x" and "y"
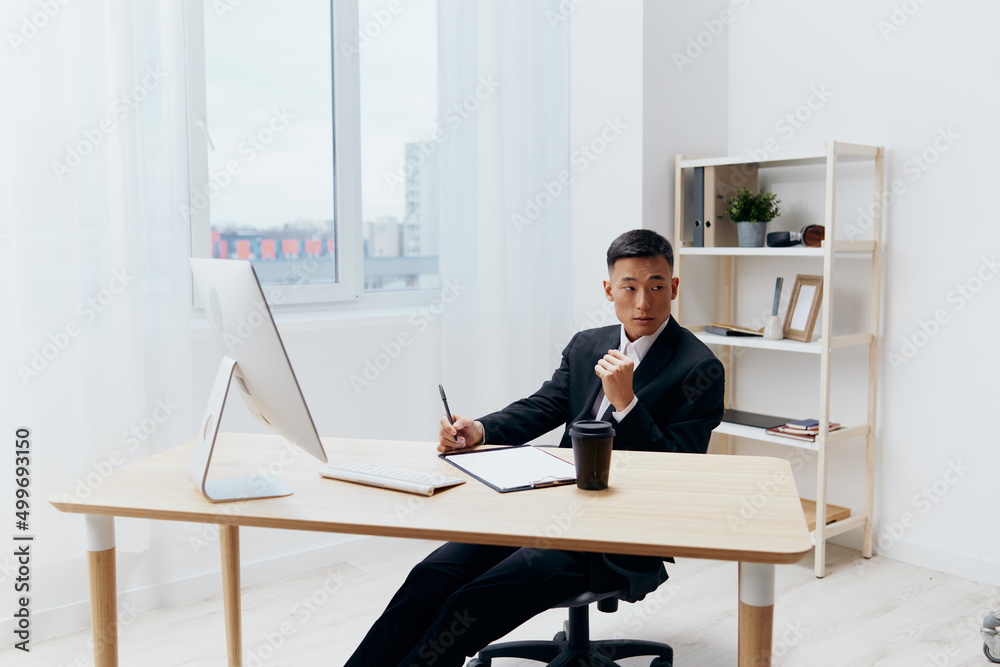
{"x": 680, "y": 386}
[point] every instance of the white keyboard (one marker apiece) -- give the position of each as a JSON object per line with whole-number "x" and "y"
{"x": 388, "y": 477}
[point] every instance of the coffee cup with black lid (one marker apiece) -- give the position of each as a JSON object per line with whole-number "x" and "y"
{"x": 592, "y": 441}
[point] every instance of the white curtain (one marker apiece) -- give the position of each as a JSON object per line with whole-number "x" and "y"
{"x": 95, "y": 295}
{"x": 505, "y": 212}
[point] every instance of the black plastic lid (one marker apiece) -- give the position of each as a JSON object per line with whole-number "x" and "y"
{"x": 589, "y": 428}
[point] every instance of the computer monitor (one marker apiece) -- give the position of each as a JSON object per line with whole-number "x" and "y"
{"x": 253, "y": 354}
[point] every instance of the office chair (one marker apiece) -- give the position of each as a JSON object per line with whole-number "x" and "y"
{"x": 573, "y": 644}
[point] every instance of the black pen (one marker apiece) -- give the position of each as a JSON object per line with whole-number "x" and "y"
{"x": 447, "y": 410}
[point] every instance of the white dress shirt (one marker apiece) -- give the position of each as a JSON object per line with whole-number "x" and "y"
{"x": 634, "y": 350}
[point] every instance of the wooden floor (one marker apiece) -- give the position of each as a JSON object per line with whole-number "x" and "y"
{"x": 877, "y": 612}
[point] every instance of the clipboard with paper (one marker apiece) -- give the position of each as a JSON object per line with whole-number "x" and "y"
{"x": 516, "y": 468}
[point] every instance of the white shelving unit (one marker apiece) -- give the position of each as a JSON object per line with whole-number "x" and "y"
{"x": 838, "y": 519}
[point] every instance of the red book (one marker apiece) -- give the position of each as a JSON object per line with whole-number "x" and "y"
{"x": 811, "y": 429}
{"x": 809, "y": 436}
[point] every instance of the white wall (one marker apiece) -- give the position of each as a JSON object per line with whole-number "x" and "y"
{"x": 603, "y": 37}
{"x": 621, "y": 68}
{"x": 923, "y": 89}
{"x": 684, "y": 99}
{"x": 920, "y": 90}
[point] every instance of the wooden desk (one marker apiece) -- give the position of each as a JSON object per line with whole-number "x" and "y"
{"x": 685, "y": 505}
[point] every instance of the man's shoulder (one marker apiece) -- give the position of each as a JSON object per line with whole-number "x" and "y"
{"x": 598, "y": 333}
{"x": 692, "y": 347}
{"x": 583, "y": 341}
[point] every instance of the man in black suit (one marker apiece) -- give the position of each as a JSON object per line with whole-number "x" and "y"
{"x": 661, "y": 388}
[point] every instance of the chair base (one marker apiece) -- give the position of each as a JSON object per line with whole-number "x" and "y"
{"x": 558, "y": 653}
{"x": 572, "y": 647}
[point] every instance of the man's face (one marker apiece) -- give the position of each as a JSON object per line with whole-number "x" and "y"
{"x": 641, "y": 289}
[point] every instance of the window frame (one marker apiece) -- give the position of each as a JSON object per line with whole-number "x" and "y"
{"x": 346, "y": 158}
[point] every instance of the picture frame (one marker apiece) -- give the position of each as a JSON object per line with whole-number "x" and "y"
{"x": 800, "y": 319}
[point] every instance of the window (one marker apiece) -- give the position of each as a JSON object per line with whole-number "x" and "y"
{"x": 328, "y": 189}
{"x": 397, "y": 49}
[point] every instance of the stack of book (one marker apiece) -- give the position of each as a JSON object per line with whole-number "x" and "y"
{"x": 804, "y": 429}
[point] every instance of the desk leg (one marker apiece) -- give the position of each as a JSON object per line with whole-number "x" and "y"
{"x": 756, "y": 614}
{"x": 103, "y": 588}
{"x": 229, "y": 543}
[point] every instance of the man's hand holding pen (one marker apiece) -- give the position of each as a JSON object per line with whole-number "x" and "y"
{"x": 465, "y": 433}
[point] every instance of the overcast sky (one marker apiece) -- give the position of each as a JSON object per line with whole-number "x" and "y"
{"x": 268, "y": 66}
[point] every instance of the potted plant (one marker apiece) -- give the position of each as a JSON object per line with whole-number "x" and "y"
{"x": 751, "y": 213}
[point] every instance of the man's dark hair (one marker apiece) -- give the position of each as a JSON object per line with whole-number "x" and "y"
{"x": 640, "y": 243}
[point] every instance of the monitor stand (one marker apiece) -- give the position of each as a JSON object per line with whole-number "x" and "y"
{"x": 237, "y": 488}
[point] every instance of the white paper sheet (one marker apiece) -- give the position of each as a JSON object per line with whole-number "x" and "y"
{"x": 514, "y": 467}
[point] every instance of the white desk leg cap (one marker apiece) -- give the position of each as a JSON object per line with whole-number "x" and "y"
{"x": 757, "y": 584}
{"x": 100, "y": 532}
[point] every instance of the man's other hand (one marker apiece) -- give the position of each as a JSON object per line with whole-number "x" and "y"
{"x": 466, "y": 433}
{"x": 615, "y": 371}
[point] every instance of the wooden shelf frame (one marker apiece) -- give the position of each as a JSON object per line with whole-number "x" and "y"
{"x": 859, "y": 248}
{"x": 834, "y": 153}
{"x": 784, "y": 345}
{"x": 754, "y": 433}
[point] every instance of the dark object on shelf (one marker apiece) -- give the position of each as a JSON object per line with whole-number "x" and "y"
{"x": 712, "y": 186}
{"x": 811, "y": 235}
{"x": 728, "y": 331}
{"x": 753, "y": 419}
{"x": 699, "y": 207}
